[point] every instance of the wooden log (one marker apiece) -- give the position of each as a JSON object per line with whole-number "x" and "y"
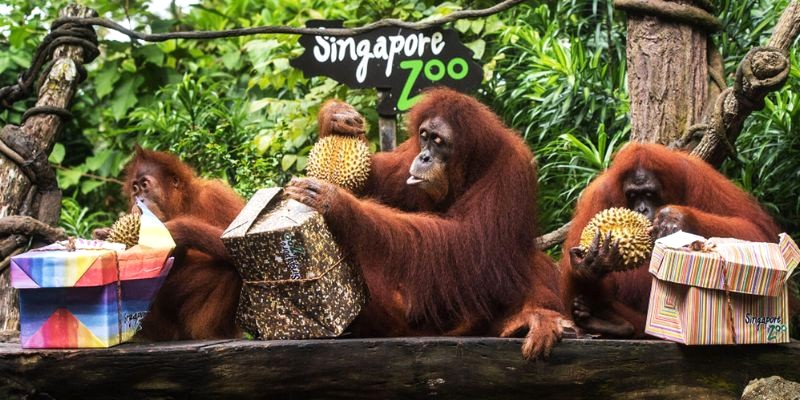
{"x": 392, "y": 368}
{"x": 20, "y": 195}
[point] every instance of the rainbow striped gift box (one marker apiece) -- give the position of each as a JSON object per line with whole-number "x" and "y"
{"x": 732, "y": 292}
{"x": 93, "y": 294}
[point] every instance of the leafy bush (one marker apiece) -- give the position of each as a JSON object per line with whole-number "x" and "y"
{"x": 233, "y": 108}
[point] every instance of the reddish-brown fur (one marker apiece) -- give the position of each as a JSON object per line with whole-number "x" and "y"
{"x": 466, "y": 265}
{"x": 199, "y": 297}
{"x": 713, "y": 206}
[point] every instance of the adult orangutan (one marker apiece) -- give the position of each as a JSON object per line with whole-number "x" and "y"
{"x": 444, "y": 229}
{"x": 199, "y": 297}
{"x": 676, "y": 192}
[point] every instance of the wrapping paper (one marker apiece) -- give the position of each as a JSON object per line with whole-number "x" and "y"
{"x": 89, "y": 293}
{"x": 296, "y": 282}
{"x": 734, "y": 292}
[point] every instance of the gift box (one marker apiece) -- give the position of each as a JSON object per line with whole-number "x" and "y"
{"x": 724, "y": 291}
{"x": 90, "y": 293}
{"x": 296, "y": 282}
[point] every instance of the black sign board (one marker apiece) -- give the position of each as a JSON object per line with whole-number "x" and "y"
{"x": 401, "y": 62}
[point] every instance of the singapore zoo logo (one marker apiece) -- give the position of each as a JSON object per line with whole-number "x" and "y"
{"x": 401, "y": 62}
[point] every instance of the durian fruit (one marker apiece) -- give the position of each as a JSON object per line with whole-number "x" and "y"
{"x": 340, "y": 160}
{"x": 126, "y": 230}
{"x": 630, "y": 228}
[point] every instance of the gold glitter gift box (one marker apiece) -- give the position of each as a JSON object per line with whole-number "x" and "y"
{"x": 297, "y": 284}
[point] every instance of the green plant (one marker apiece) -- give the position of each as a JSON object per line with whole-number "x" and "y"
{"x": 554, "y": 70}
{"x": 79, "y": 221}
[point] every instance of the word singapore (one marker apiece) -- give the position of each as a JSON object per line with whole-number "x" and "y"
{"x": 399, "y": 62}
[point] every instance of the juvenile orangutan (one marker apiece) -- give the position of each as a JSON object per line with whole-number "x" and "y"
{"x": 199, "y": 297}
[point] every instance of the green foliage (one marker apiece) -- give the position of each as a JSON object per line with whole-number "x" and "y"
{"x": 560, "y": 82}
{"x": 768, "y": 163}
{"x": 234, "y": 108}
{"x": 80, "y": 221}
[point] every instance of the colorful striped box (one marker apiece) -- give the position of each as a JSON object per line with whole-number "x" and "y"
{"x": 92, "y": 295}
{"x": 733, "y": 294}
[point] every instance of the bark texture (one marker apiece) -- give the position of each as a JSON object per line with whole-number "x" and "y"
{"x": 399, "y": 368}
{"x": 30, "y": 189}
{"x": 667, "y": 75}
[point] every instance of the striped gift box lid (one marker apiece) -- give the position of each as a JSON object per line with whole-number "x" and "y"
{"x": 747, "y": 267}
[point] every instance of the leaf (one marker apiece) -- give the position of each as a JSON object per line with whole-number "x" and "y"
{"x": 477, "y": 26}
{"x": 230, "y": 59}
{"x": 287, "y": 161}
{"x": 105, "y": 79}
{"x": 168, "y": 46}
{"x": 96, "y": 161}
{"x": 69, "y": 177}
{"x": 151, "y": 54}
{"x": 129, "y": 65}
{"x": 493, "y": 25}
{"x": 18, "y": 36}
{"x": 23, "y": 62}
{"x": 125, "y": 96}
{"x": 5, "y": 62}
{"x": 301, "y": 163}
{"x": 89, "y": 185}
{"x": 57, "y": 155}
{"x": 463, "y": 25}
{"x": 478, "y": 47}
{"x": 281, "y": 64}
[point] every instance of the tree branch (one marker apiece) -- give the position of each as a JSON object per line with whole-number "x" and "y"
{"x": 553, "y": 238}
{"x": 787, "y": 29}
{"x": 385, "y": 23}
{"x": 29, "y": 226}
{"x": 762, "y": 71}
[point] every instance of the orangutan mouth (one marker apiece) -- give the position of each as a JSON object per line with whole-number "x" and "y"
{"x": 414, "y": 180}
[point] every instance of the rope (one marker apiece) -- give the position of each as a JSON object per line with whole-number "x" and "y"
{"x": 70, "y": 33}
{"x": 300, "y": 280}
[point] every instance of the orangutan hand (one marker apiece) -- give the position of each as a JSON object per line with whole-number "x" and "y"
{"x": 597, "y": 260}
{"x": 544, "y": 329}
{"x": 668, "y": 220}
{"x": 315, "y": 193}
{"x": 339, "y": 118}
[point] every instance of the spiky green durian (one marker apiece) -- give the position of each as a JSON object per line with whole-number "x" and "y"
{"x": 126, "y": 230}
{"x": 344, "y": 161}
{"x": 630, "y": 228}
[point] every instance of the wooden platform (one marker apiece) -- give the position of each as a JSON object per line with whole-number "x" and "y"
{"x": 392, "y": 368}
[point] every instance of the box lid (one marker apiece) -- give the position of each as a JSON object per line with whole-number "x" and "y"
{"x": 258, "y": 204}
{"x": 94, "y": 262}
{"x": 268, "y": 211}
{"x": 746, "y": 267}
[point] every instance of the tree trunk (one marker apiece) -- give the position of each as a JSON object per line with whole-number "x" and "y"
{"x": 28, "y": 191}
{"x": 667, "y": 73}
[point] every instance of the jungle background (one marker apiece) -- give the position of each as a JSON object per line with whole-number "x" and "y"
{"x": 236, "y": 110}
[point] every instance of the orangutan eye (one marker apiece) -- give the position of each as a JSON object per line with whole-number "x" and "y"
{"x": 437, "y": 140}
{"x": 423, "y": 134}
